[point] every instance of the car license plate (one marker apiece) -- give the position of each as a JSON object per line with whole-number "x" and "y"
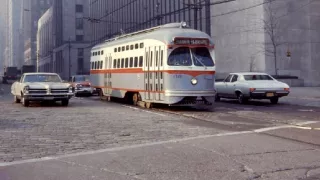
{"x": 270, "y": 94}
{"x": 48, "y": 98}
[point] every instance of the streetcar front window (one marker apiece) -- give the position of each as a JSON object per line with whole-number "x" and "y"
{"x": 180, "y": 57}
{"x": 201, "y": 57}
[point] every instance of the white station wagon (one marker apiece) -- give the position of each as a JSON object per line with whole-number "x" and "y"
{"x": 250, "y": 85}
{"x": 41, "y": 87}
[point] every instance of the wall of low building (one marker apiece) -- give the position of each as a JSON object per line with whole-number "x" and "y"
{"x": 238, "y": 37}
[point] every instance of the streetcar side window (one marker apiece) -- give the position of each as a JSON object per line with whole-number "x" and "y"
{"x": 131, "y": 47}
{"x": 95, "y": 65}
{"x": 101, "y": 64}
{"x": 123, "y": 48}
{"x": 127, "y": 47}
{"x": 161, "y": 58}
{"x": 114, "y": 63}
{"x": 122, "y": 63}
{"x": 136, "y": 46}
{"x": 127, "y": 63}
{"x": 140, "y": 61}
{"x": 131, "y": 62}
{"x": 118, "y": 63}
{"x": 93, "y": 54}
{"x": 101, "y": 52}
{"x": 98, "y": 52}
{"x": 115, "y": 49}
{"x": 136, "y": 62}
{"x": 119, "y": 49}
{"x": 92, "y": 65}
{"x": 151, "y": 58}
{"x": 157, "y": 58}
{"x": 141, "y": 45}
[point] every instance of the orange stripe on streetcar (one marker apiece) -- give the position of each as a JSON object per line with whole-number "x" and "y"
{"x": 140, "y": 70}
{"x": 124, "y": 89}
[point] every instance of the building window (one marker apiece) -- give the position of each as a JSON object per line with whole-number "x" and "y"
{"x": 80, "y": 65}
{"x": 79, "y": 23}
{"x": 80, "y": 52}
{"x": 79, "y": 38}
{"x": 79, "y": 8}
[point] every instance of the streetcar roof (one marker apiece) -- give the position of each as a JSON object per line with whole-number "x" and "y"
{"x": 164, "y": 34}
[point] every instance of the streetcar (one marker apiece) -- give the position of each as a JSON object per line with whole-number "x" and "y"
{"x": 170, "y": 64}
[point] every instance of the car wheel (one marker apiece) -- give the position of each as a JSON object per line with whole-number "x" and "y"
{"x": 274, "y": 100}
{"x": 65, "y": 102}
{"x": 16, "y": 99}
{"x": 217, "y": 98}
{"x": 242, "y": 99}
{"x": 25, "y": 102}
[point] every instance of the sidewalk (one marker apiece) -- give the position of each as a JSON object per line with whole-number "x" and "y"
{"x": 242, "y": 155}
{"x": 304, "y": 96}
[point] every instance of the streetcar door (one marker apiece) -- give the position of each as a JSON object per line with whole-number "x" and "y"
{"x": 146, "y": 74}
{"x": 109, "y": 75}
{"x": 149, "y": 76}
{"x": 106, "y": 76}
{"x": 157, "y": 73}
{"x": 161, "y": 73}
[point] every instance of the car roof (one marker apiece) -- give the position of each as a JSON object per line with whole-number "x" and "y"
{"x": 44, "y": 73}
{"x": 249, "y": 73}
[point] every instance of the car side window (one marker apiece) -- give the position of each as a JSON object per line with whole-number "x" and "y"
{"x": 228, "y": 78}
{"x": 234, "y": 78}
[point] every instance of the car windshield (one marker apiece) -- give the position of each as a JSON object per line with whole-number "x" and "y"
{"x": 182, "y": 57}
{"x": 42, "y": 78}
{"x": 254, "y": 77}
{"x": 81, "y": 78}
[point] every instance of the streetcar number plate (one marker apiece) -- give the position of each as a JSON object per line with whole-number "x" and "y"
{"x": 270, "y": 94}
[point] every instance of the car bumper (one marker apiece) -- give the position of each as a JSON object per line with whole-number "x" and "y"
{"x": 84, "y": 91}
{"x": 268, "y": 94}
{"x": 47, "y": 97}
{"x": 190, "y": 93}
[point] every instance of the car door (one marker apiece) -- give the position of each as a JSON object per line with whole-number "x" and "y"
{"x": 224, "y": 87}
{"x": 232, "y": 86}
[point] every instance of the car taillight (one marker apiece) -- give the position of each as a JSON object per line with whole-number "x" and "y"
{"x": 287, "y": 89}
{"x": 252, "y": 89}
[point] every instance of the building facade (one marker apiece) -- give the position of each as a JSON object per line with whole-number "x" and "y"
{"x": 244, "y": 42}
{"x": 63, "y": 39}
{"x": 113, "y": 17}
{"x": 32, "y": 11}
{"x": 15, "y": 34}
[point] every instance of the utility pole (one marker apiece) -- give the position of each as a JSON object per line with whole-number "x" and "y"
{"x": 69, "y": 46}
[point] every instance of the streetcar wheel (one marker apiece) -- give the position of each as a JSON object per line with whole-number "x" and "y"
{"x": 135, "y": 99}
{"x": 148, "y": 105}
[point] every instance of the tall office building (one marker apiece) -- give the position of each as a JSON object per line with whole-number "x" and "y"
{"x": 63, "y": 39}
{"x": 15, "y": 33}
{"x": 110, "y": 18}
{"x": 242, "y": 29}
{"x": 32, "y": 11}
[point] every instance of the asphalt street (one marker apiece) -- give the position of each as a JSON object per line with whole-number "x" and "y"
{"x": 93, "y": 139}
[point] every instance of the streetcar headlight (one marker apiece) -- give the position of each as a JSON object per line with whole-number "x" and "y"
{"x": 194, "y": 81}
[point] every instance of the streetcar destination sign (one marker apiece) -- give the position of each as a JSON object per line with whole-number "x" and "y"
{"x": 191, "y": 41}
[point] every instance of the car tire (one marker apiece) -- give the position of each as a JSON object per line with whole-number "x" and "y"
{"x": 25, "y": 102}
{"x": 217, "y": 98}
{"x": 242, "y": 99}
{"x": 274, "y": 100}
{"x": 65, "y": 102}
{"x": 16, "y": 99}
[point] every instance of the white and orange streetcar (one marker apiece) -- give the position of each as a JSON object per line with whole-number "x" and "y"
{"x": 169, "y": 64}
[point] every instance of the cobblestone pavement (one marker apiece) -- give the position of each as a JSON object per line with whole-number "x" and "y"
{"x": 89, "y": 124}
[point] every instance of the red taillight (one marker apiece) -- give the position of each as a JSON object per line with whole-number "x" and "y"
{"x": 252, "y": 89}
{"x": 287, "y": 89}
